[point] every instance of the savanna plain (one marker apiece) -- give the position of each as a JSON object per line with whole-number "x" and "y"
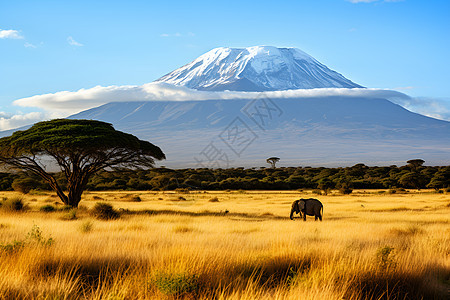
{"x": 226, "y": 245}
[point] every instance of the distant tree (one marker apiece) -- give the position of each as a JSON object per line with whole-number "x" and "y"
{"x": 441, "y": 179}
{"x": 415, "y": 163}
{"x": 80, "y": 148}
{"x": 24, "y": 185}
{"x": 412, "y": 180}
{"x": 272, "y": 161}
{"x": 325, "y": 184}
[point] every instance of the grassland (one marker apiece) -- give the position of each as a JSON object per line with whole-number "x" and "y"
{"x": 228, "y": 245}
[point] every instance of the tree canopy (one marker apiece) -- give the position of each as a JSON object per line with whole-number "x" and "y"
{"x": 80, "y": 148}
{"x": 272, "y": 161}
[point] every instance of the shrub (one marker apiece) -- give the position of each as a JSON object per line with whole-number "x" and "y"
{"x": 65, "y": 207}
{"x": 86, "y": 226}
{"x": 104, "y": 211}
{"x": 12, "y": 247}
{"x": 183, "y": 190}
{"x": 133, "y": 198}
{"x": 346, "y": 190}
{"x": 47, "y": 208}
{"x": 24, "y": 185}
{"x": 70, "y": 215}
{"x": 215, "y": 199}
{"x": 317, "y": 192}
{"x": 385, "y": 258}
{"x": 13, "y": 204}
{"x": 176, "y": 284}
{"x": 35, "y": 235}
{"x": 391, "y": 191}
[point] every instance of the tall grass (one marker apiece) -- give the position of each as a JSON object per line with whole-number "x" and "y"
{"x": 370, "y": 252}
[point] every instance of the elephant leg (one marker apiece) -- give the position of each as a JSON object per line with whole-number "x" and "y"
{"x": 304, "y": 217}
{"x": 315, "y": 218}
{"x": 320, "y": 218}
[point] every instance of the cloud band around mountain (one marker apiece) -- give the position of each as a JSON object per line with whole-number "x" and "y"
{"x": 66, "y": 103}
{"x": 73, "y": 102}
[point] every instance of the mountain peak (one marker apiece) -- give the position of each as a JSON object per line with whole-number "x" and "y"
{"x": 258, "y": 68}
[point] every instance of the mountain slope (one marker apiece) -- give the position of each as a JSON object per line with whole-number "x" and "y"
{"x": 328, "y": 131}
{"x": 260, "y": 68}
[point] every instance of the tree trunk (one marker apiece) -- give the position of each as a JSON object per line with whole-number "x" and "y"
{"x": 75, "y": 187}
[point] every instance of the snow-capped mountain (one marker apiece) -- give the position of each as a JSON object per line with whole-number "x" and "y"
{"x": 321, "y": 127}
{"x": 259, "y": 68}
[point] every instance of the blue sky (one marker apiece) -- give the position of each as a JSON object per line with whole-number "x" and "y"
{"x": 53, "y": 46}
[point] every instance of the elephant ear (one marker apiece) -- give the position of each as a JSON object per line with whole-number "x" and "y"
{"x": 301, "y": 205}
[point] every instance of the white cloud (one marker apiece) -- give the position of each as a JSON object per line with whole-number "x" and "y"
{"x": 29, "y": 45}
{"x": 72, "y": 42}
{"x": 73, "y": 102}
{"x": 10, "y": 121}
{"x": 65, "y": 103}
{"x": 438, "y": 108}
{"x": 10, "y": 34}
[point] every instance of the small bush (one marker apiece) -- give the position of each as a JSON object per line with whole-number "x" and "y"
{"x": 13, "y": 204}
{"x": 65, "y": 207}
{"x": 317, "y": 192}
{"x": 134, "y": 198}
{"x": 215, "y": 199}
{"x": 12, "y": 247}
{"x": 47, "y": 208}
{"x": 24, "y": 185}
{"x": 35, "y": 235}
{"x": 86, "y": 226}
{"x": 385, "y": 258}
{"x": 176, "y": 284}
{"x": 183, "y": 190}
{"x": 70, "y": 215}
{"x": 104, "y": 211}
{"x": 346, "y": 191}
{"x": 36, "y": 192}
{"x": 391, "y": 191}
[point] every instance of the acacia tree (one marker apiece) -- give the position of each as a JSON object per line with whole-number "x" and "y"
{"x": 80, "y": 148}
{"x": 272, "y": 161}
{"x": 415, "y": 163}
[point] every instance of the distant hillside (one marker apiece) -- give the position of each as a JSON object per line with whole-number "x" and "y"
{"x": 320, "y": 131}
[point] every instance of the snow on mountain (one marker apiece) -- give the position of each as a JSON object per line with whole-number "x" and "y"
{"x": 337, "y": 123}
{"x": 259, "y": 68}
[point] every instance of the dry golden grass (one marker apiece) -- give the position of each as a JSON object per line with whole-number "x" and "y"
{"x": 369, "y": 246}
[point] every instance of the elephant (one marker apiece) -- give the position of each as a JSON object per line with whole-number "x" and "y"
{"x": 310, "y": 207}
